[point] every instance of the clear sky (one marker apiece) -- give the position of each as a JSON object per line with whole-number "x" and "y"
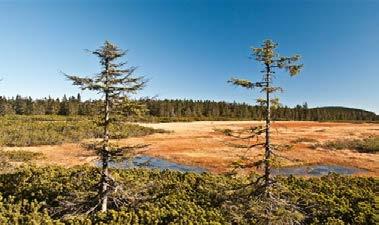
{"x": 190, "y": 48}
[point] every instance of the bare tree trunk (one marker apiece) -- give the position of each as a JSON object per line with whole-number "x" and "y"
{"x": 105, "y": 155}
{"x": 267, "y": 174}
{"x": 105, "y": 158}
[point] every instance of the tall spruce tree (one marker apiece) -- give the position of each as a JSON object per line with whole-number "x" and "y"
{"x": 271, "y": 60}
{"x": 116, "y": 83}
{"x": 272, "y": 205}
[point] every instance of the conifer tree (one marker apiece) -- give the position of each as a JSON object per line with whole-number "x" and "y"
{"x": 272, "y": 61}
{"x": 116, "y": 83}
{"x": 272, "y": 203}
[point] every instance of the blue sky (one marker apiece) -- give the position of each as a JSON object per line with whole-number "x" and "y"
{"x": 189, "y": 49}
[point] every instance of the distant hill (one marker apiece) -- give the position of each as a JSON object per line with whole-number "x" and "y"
{"x": 341, "y": 108}
{"x": 341, "y": 113}
{"x": 337, "y": 109}
{"x": 182, "y": 110}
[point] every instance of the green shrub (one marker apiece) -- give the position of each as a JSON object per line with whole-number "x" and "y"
{"x": 20, "y": 155}
{"x": 32, "y": 196}
{"x": 46, "y": 130}
{"x": 367, "y": 145}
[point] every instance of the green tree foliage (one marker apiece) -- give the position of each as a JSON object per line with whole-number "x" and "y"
{"x": 189, "y": 110}
{"x": 32, "y": 195}
{"x": 115, "y": 83}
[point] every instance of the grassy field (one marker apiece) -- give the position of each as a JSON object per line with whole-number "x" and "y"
{"x": 197, "y": 143}
{"x": 201, "y": 144}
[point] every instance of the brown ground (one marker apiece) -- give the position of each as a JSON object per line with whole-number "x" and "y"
{"x": 198, "y": 143}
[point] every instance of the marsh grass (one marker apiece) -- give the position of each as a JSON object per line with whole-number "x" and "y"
{"x": 320, "y": 130}
{"x": 303, "y": 139}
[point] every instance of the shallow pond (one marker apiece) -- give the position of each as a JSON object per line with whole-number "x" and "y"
{"x": 156, "y": 163}
{"x": 316, "y": 170}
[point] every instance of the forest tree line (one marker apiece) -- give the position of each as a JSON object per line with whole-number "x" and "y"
{"x": 176, "y": 110}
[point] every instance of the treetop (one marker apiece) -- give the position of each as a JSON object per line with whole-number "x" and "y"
{"x": 108, "y": 52}
{"x": 268, "y": 55}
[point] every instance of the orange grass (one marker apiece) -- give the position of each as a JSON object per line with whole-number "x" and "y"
{"x": 197, "y": 143}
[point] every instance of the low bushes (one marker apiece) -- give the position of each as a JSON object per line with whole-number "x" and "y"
{"x": 367, "y": 145}
{"x": 19, "y": 155}
{"x": 32, "y": 195}
{"x": 45, "y": 130}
